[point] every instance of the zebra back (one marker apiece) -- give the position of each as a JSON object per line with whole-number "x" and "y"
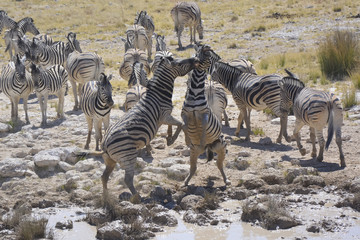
{"x": 244, "y": 65}
{"x": 137, "y": 38}
{"x": 187, "y": 14}
{"x": 160, "y": 43}
{"x": 131, "y": 56}
{"x": 146, "y": 21}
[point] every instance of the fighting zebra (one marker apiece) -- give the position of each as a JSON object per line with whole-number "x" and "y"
{"x": 250, "y": 91}
{"x": 161, "y": 51}
{"x": 6, "y": 21}
{"x": 137, "y": 127}
{"x": 314, "y": 108}
{"x": 96, "y": 102}
{"x": 52, "y": 81}
{"x": 145, "y": 20}
{"x": 16, "y": 83}
{"x": 19, "y": 30}
{"x": 47, "y": 39}
{"x": 83, "y": 67}
{"x": 187, "y": 14}
{"x": 202, "y": 128}
{"x": 137, "y": 38}
{"x": 45, "y": 55}
{"x": 132, "y": 56}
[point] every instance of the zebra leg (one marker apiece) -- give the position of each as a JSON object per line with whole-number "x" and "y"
{"x": 60, "y": 109}
{"x": 321, "y": 140}
{"x": 149, "y": 49}
{"x": 339, "y": 143}
{"x": 194, "y": 154}
{"x": 220, "y": 148}
{"x": 98, "y": 134}
{"x": 90, "y": 125}
{"x": 283, "y": 128}
{"x": 129, "y": 178}
{"x": 44, "y": 123}
{"x": 247, "y": 123}
{"x": 170, "y": 120}
{"x": 14, "y": 109}
{"x": 191, "y": 34}
{"x": 73, "y": 85}
{"x": 240, "y": 119}
{"x": 185, "y": 129}
{"x": 179, "y": 31}
{"x": 110, "y": 165}
{"x": 298, "y": 125}
{"x": 226, "y": 118}
{"x": 313, "y": 142}
{"x": 25, "y": 99}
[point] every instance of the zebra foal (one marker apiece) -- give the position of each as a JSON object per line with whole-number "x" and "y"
{"x": 96, "y": 102}
{"x": 251, "y": 92}
{"x": 202, "y": 128}
{"x": 15, "y": 83}
{"x": 314, "y": 108}
{"x": 187, "y": 14}
{"x": 137, "y": 127}
{"x": 52, "y": 81}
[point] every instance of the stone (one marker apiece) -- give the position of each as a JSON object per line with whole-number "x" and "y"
{"x": 64, "y": 166}
{"x": 45, "y": 160}
{"x": 98, "y": 217}
{"x": 168, "y": 162}
{"x": 272, "y": 176}
{"x": 251, "y": 181}
{"x": 156, "y": 170}
{"x": 86, "y": 165}
{"x": 244, "y": 154}
{"x": 111, "y": 230}
{"x": 19, "y": 154}
{"x": 265, "y": 141}
{"x": 271, "y": 163}
{"x": 159, "y": 194}
{"x": 191, "y": 217}
{"x": 313, "y": 228}
{"x": 140, "y": 163}
{"x": 178, "y": 172}
{"x": 12, "y": 167}
{"x": 355, "y": 185}
{"x": 292, "y": 173}
{"x": 241, "y": 164}
{"x": 238, "y": 194}
{"x": 66, "y": 224}
{"x": 4, "y": 127}
{"x": 307, "y": 180}
{"x": 190, "y": 202}
{"x": 165, "y": 219}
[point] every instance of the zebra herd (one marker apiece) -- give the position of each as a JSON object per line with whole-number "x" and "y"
{"x": 148, "y": 102}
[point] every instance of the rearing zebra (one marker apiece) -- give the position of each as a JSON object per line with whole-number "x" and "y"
{"x": 145, "y": 20}
{"x": 6, "y": 21}
{"x": 16, "y": 83}
{"x": 23, "y": 26}
{"x": 251, "y": 92}
{"x": 316, "y": 109}
{"x": 187, "y": 14}
{"x": 96, "y": 102}
{"x": 202, "y": 128}
{"x": 161, "y": 51}
{"x": 138, "y": 127}
{"x": 47, "y": 82}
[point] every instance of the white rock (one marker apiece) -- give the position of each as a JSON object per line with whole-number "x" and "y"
{"x": 12, "y": 167}
{"x": 171, "y": 161}
{"x": 5, "y": 127}
{"x": 86, "y": 165}
{"x": 46, "y": 160}
{"x": 157, "y": 170}
{"x": 65, "y": 166}
{"x": 178, "y": 172}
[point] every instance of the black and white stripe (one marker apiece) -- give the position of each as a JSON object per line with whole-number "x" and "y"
{"x": 132, "y": 56}
{"x": 137, "y": 38}
{"x": 202, "y": 128}
{"x": 83, "y": 67}
{"x": 136, "y": 84}
{"x": 314, "y": 108}
{"x": 137, "y": 127}
{"x": 251, "y": 92}
{"x": 96, "y": 102}
{"x": 145, "y": 20}
{"x": 6, "y": 21}
{"x": 16, "y": 83}
{"x": 187, "y": 14}
{"x": 161, "y": 51}
{"x": 52, "y": 81}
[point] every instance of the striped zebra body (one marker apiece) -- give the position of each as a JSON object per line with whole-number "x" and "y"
{"x": 145, "y": 20}
{"x": 136, "y": 89}
{"x": 251, "y": 92}
{"x": 202, "y": 128}
{"x": 137, "y": 38}
{"x": 55, "y": 54}
{"x": 187, "y": 14}
{"x": 19, "y": 30}
{"x": 217, "y": 100}
{"x": 130, "y": 58}
{"x": 83, "y": 67}
{"x": 139, "y": 125}
{"x": 96, "y": 102}
{"x": 16, "y": 83}
{"x": 52, "y": 81}
{"x": 314, "y": 108}
{"x": 47, "y": 39}
{"x": 161, "y": 52}
{"x": 6, "y": 21}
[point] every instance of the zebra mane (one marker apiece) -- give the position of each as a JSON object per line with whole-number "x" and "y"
{"x": 292, "y": 81}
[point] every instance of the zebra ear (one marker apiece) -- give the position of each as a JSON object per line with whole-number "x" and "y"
{"x": 109, "y": 77}
{"x": 281, "y": 84}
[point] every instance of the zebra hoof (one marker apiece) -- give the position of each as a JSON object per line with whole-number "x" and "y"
{"x": 320, "y": 158}
{"x": 278, "y": 140}
{"x": 313, "y": 154}
{"x": 86, "y": 147}
{"x": 288, "y": 139}
{"x": 302, "y": 151}
{"x": 227, "y": 183}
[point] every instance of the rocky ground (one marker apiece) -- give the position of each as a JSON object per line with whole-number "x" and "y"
{"x": 272, "y": 185}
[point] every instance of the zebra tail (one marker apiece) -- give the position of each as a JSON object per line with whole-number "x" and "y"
{"x": 79, "y": 154}
{"x": 330, "y": 126}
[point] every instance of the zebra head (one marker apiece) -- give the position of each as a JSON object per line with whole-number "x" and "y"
{"x": 105, "y": 90}
{"x": 200, "y": 30}
{"x": 23, "y": 45}
{"x": 290, "y": 88}
{"x": 20, "y": 69}
{"x": 160, "y": 42}
{"x": 177, "y": 67}
{"x": 73, "y": 44}
{"x": 203, "y": 53}
{"x": 35, "y": 72}
{"x": 36, "y": 49}
{"x": 138, "y": 75}
{"x": 27, "y": 25}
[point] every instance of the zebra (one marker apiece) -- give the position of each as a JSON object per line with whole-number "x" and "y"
{"x": 47, "y": 82}
{"x": 145, "y": 20}
{"x": 23, "y": 26}
{"x": 314, "y": 108}
{"x": 138, "y": 126}
{"x": 16, "y": 83}
{"x": 251, "y": 92}
{"x": 187, "y": 14}
{"x": 131, "y": 56}
{"x": 47, "y": 39}
{"x": 83, "y": 67}
{"x": 136, "y": 89}
{"x": 96, "y": 102}
{"x": 6, "y": 21}
{"x": 244, "y": 65}
{"x": 202, "y": 128}
{"x": 137, "y": 38}
{"x": 57, "y": 53}
{"x": 161, "y": 51}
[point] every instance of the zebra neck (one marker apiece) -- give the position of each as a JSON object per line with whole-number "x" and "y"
{"x": 226, "y": 78}
{"x": 68, "y": 50}
{"x": 100, "y": 102}
{"x": 195, "y": 95}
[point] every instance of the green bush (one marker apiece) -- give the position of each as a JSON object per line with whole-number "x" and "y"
{"x": 339, "y": 54}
